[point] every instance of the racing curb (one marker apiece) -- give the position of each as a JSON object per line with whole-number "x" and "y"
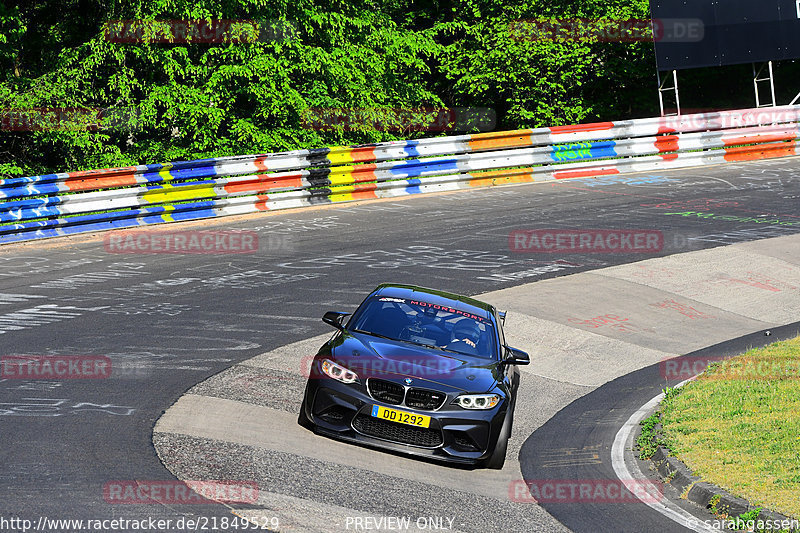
{"x": 678, "y": 475}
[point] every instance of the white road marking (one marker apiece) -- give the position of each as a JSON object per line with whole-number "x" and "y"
{"x": 623, "y": 439}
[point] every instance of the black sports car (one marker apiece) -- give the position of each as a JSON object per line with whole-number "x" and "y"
{"x": 419, "y": 371}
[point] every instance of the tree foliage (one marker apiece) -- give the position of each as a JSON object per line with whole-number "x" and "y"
{"x": 190, "y": 100}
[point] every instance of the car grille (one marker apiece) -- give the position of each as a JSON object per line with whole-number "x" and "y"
{"x": 424, "y": 399}
{"x": 386, "y": 391}
{"x": 383, "y": 429}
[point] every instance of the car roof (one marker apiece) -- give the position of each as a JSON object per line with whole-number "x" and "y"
{"x": 436, "y": 297}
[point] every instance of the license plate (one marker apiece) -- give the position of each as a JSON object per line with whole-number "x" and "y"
{"x": 401, "y": 417}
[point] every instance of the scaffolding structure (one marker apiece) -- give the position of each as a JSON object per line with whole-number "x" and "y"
{"x": 762, "y": 74}
{"x": 769, "y": 79}
{"x": 662, "y": 89}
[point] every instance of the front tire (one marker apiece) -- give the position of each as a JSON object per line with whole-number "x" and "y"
{"x": 498, "y": 457}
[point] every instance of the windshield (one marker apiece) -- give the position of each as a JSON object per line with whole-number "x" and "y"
{"x": 425, "y": 324}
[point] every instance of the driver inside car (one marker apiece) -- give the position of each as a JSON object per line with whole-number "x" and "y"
{"x": 427, "y": 328}
{"x": 465, "y": 337}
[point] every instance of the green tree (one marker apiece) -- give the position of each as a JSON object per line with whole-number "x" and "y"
{"x": 173, "y": 101}
{"x": 494, "y": 56}
{"x": 203, "y": 100}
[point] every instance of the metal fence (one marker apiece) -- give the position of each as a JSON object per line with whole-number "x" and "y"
{"x": 51, "y": 205}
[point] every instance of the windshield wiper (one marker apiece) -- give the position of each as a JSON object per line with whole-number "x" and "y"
{"x": 374, "y": 334}
{"x": 432, "y": 346}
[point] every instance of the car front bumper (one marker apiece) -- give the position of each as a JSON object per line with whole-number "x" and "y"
{"x": 457, "y": 435}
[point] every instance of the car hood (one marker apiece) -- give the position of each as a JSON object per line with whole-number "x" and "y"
{"x": 374, "y": 357}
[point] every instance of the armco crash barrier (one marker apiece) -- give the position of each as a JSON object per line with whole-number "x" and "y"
{"x": 37, "y": 207}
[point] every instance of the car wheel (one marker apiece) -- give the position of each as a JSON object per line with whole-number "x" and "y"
{"x": 498, "y": 457}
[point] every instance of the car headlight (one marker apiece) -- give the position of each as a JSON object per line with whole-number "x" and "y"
{"x": 338, "y": 372}
{"x": 478, "y": 401}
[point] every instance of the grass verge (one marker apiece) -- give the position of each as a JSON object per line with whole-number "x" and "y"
{"x": 738, "y": 426}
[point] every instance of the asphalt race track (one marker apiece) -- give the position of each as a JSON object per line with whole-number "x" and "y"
{"x": 641, "y": 317}
{"x": 169, "y": 322}
{"x": 593, "y": 421}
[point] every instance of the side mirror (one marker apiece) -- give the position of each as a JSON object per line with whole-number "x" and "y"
{"x": 516, "y": 357}
{"x": 334, "y": 318}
